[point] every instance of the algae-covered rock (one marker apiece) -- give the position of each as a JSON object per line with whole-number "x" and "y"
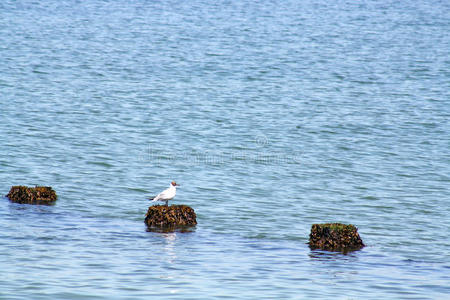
{"x": 335, "y": 237}
{"x": 170, "y": 217}
{"x": 32, "y": 195}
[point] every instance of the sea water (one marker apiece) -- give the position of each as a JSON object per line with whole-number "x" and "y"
{"x": 271, "y": 115}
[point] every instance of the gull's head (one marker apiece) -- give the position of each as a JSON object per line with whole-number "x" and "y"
{"x": 173, "y": 183}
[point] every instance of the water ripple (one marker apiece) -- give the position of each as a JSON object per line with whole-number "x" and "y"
{"x": 272, "y": 116}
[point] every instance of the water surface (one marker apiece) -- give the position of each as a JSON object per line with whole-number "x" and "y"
{"x": 272, "y": 116}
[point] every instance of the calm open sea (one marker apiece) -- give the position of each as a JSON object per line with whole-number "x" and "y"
{"x": 272, "y": 115}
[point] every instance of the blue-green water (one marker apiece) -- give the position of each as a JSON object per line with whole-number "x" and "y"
{"x": 272, "y": 115}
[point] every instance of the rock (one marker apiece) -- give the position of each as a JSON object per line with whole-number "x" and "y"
{"x": 32, "y": 195}
{"x": 170, "y": 218}
{"x": 335, "y": 237}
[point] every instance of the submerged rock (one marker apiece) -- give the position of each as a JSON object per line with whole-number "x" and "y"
{"x": 335, "y": 237}
{"x": 170, "y": 217}
{"x": 32, "y": 195}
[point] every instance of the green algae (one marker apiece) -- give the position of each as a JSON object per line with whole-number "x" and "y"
{"x": 335, "y": 237}
{"x": 169, "y": 218}
{"x": 32, "y": 195}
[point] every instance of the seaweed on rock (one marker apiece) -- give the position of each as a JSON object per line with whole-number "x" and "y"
{"x": 32, "y": 195}
{"x": 335, "y": 237}
{"x": 169, "y": 218}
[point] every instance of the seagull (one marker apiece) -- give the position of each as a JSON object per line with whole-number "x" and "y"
{"x": 167, "y": 194}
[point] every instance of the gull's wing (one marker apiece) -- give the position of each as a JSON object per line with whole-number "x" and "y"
{"x": 162, "y": 195}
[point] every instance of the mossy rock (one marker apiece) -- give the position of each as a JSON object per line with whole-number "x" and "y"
{"x": 32, "y": 195}
{"x": 335, "y": 237}
{"x": 170, "y": 217}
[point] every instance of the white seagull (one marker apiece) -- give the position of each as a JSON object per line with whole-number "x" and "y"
{"x": 167, "y": 194}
